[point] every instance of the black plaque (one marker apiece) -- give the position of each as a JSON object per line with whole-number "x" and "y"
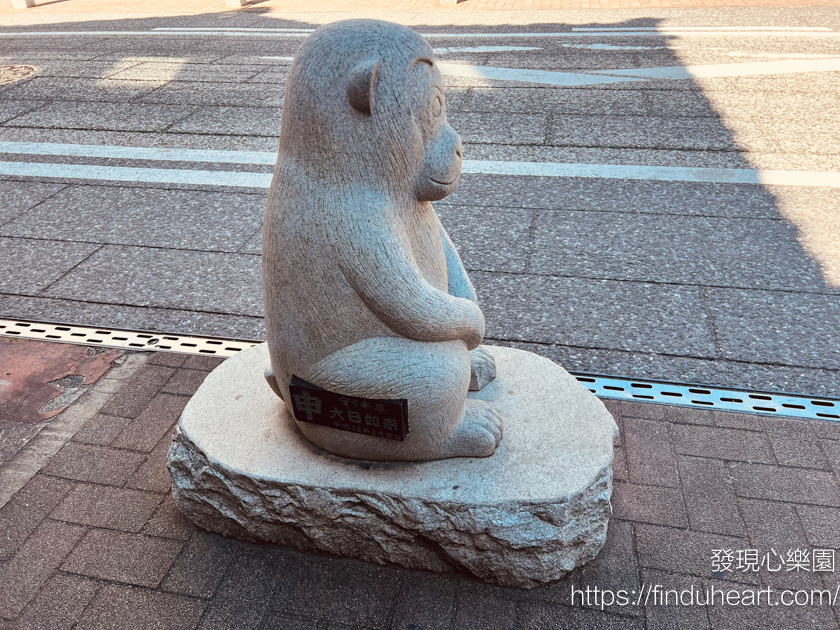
{"x": 368, "y": 416}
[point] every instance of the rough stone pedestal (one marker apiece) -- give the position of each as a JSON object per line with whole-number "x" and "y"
{"x": 534, "y": 510}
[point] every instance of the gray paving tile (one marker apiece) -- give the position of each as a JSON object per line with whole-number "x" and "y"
{"x": 168, "y": 522}
{"x": 119, "y": 557}
{"x": 650, "y": 458}
{"x": 478, "y": 606}
{"x": 227, "y": 283}
{"x": 55, "y": 88}
{"x": 101, "y": 430}
{"x": 244, "y": 120}
{"x": 144, "y": 216}
{"x": 794, "y": 443}
{"x": 709, "y": 497}
{"x": 27, "y": 509}
{"x": 73, "y": 69}
{"x": 809, "y": 83}
{"x": 245, "y": 592}
{"x": 774, "y": 107}
{"x": 792, "y": 485}
{"x": 648, "y": 504}
{"x": 553, "y": 617}
{"x": 274, "y": 75}
{"x": 616, "y": 567}
{"x": 595, "y": 313}
{"x": 720, "y": 443}
{"x": 681, "y": 104}
{"x": 13, "y": 109}
{"x": 777, "y": 327}
{"x": 820, "y": 525}
{"x": 135, "y": 609}
{"x": 759, "y": 254}
{"x": 151, "y": 425}
{"x": 337, "y": 591}
{"x": 96, "y": 464}
{"x": 495, "y": 128}
{"x": 538, "y": 101}
{"x": 661, "y": 617}
{"x": 29, "y": 266}
{"x": 104, "y": 116}
{"x": 425, "y": 603}
{"x": 614, "y": 195}
{"x": 682, "y": 551}
{"x": 655, "y": 133}
{"x": 108, "y": 507}
{"x": 201, "y": 566}
{"x": 153, "y": 474}
{"x": 193, "y": 93}
{"x": 37, "y": 559}
{"x": 811, "y": 136}
{"x": 18, "y": 197}
{"x": 185, "y": 382}
{"x": 133, "y": 401}
{"x": 132, "y": 317}
{"x": 489, "y": 239}
{"x": 59, "y": 604}
{"x": 793, "y": 618}
{"x": 254, "y": 243}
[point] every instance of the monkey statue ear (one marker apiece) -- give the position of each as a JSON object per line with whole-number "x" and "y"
{"x": 361, "y": 85}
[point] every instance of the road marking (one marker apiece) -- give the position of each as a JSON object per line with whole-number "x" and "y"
{"x": 233, "y": 29}
{"x": 279, "y": 58}
{"x": 730, "y": 69}
{"x": 263, "y": 180}
{"x": 139, "y": 153}
{"x": 589, "y": 29}
{"x": 140, "y": 175}
{"x": 611, "y": 47}
{"x": 482, "y": 49}
{"x": 781, "y": 55}
{"x": 544, "y": 77}
{"x": 564, "y": 34}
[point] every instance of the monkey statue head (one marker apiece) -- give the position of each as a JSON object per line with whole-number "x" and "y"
{"x": 364, "y": 104}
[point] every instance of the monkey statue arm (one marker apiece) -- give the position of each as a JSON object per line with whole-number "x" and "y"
{"x": 379, "y": 270}
{"x": 459, "y": 282}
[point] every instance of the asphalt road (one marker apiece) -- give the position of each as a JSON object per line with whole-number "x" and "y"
{"x": 649, "y": 203}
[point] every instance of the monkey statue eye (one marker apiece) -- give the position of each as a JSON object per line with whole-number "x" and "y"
{"x": 436, "y": 105}
{"x": 438, "y": 108}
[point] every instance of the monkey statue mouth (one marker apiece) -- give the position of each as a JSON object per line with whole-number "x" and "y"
{"x": 449, "y": 183}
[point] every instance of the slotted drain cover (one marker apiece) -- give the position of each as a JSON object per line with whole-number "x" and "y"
{"x": 10, "y": 74}
{"x": 135, "y": 340}
{"x": 708, "y": 397}
{"x": 616, "y": 388}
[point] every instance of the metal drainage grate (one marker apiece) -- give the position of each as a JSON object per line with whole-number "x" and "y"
{"x": 707, "y": 397}
{"x": 638, "y": 390}
{"x": 10, "y": 74}
{"x": 135, "y": 340}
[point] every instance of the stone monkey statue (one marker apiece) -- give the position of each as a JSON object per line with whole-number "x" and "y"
{"x": 365, "y": 294}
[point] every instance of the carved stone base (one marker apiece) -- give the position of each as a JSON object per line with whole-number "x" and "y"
{"x": 525, "y": 516}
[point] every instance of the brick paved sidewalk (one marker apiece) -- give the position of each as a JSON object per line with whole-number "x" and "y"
{"x": 93, "y": 540}
{"x": 195, "y": 7}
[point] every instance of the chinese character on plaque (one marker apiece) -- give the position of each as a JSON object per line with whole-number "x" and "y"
{"x": 309, "y": 401}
